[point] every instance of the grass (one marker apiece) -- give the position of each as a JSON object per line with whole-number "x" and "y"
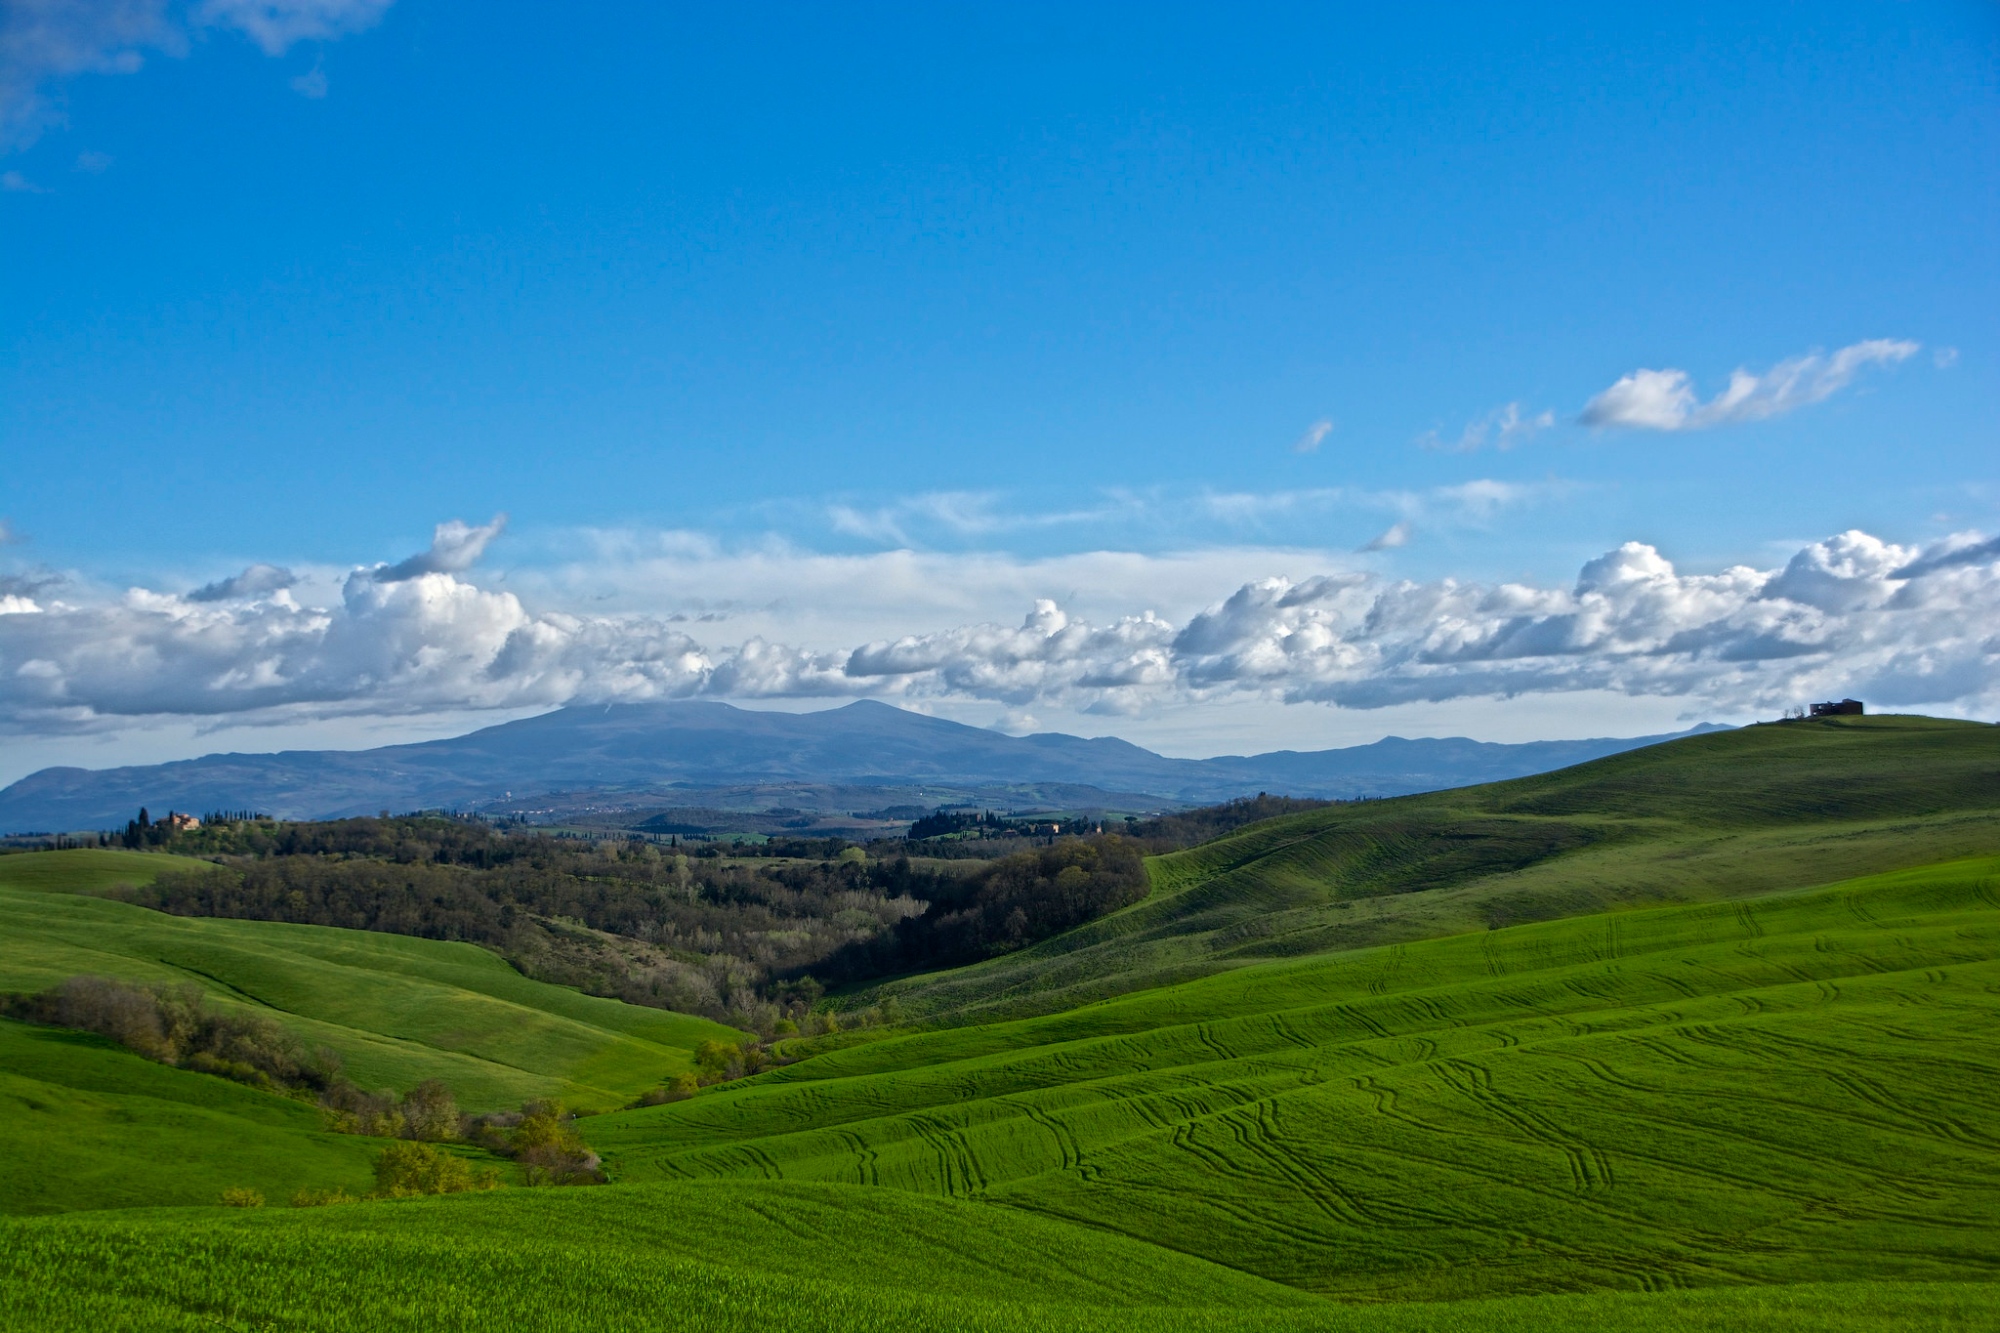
{"x": 1606, "y": 1049}
{"x": 1794, "y": 1089}
{"x": 837, "y": 1259}
{"x": 1727, "y": 815}
{"x": 396, "y": 1008}
{"x": 90, "y": 1125}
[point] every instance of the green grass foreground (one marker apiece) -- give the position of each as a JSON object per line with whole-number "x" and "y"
{"x": 820, "y": 1259}
{"x": 397, "y": 1009}
{"x": 1792, "y": 1089}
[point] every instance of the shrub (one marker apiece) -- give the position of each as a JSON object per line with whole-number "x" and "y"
{"x": 408, "y": 1169}
{"x": 676, "y": 1089}
{"x": 321, "y": 1198}
{"x": 176, "y": 1026}
{"x": 242, "y": 1197}
{"x": 721, "y": 1061}
{"x": 430, "y": 1112}
{"x": 550, "y": 1150}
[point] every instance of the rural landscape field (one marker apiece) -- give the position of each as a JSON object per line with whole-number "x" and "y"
{"x": 1029, "y": 668}
{"x": 1698, "y": 1036}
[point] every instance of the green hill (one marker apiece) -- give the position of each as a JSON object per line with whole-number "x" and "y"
{"x": 1726, "y": 815}
{"x": 1790, "y": 1089}
{"x": 1696, "y": 1038}
{"x": 397, "y": 1009}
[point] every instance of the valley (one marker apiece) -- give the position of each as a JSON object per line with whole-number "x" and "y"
{"x": 1697, "y": 1036}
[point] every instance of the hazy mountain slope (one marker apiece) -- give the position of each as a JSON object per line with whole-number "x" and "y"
{"x": 711, "y": 745}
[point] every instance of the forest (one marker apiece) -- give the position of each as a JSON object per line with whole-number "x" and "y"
{"x": 743, "y": 935}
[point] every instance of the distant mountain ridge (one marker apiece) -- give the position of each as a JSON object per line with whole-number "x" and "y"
{"x": 677, "y": 749}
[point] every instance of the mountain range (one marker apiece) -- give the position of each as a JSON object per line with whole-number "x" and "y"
{"x": 630, "y": 756}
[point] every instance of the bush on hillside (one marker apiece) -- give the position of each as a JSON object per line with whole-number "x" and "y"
{"x": 408, "y": 1169}
{"x": 676, "y": 1089}
{"x": 322, "y": 1198}
{"x": 550, "y": 1150}
{"x": 542, "y": 1137}
{"x": 175, "y": 1025}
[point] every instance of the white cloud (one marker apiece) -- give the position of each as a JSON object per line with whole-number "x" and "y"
{"x": 255, "y": 581}
{"x": 1851, "y": 614}
{"x": 962, "y": 514}
{"x": 1504, "y": 427}
{"x": 455, "y": 547}
{"x": 1397, "y": 535}
{"x": 279, "y": 25}
{"x": 43, "y": 43}
{"x": 1665, "y": 400}
{"x": 311, "y": 84}
{"x": 13, "y": 182}
{"x": 1314, "y": 436}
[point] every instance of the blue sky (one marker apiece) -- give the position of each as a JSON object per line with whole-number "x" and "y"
{"x": 1125, "y": 310}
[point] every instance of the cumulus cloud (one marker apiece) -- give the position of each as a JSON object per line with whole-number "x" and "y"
{"x": 455, "y": 547}
{"x": 1314, "y": 437}
{"x": 44, "y": 43}
{"x": 1665, "y": 400}
{"x": 1966, "y": 548}
{"x": 1851, "y": 614}
{"x": 256, "y": 581}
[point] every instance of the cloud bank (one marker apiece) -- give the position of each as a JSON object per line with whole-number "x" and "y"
{"x": 1851, "y": 614}
{"x": 46, "y": 42}
{"x": 1665, "y": 400}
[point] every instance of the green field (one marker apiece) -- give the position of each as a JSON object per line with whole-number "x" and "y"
{"x": 1727, "y": 815}
{"x": 397, "y": 1009}
{"x": 1701, "y": 1037}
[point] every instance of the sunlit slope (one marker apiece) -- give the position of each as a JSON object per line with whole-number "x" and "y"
{"x": 397, "y": 1009}
{"x": 90, "y": 1125}
{"x": 1789, "y": 1089}
{"x": 826, "y": 1258}
{"x": 1725, "y": 815}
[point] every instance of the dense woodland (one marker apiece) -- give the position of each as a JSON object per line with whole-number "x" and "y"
{"x": 748, "y": 935}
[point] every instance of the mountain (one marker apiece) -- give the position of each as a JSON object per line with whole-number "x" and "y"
{"x": 676, "y": 751}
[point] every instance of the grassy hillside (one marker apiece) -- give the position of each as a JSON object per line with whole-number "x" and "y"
{"x": 90, "y": 1125}
{"x": 1794, "y": 1089}
{"x": 1582, "y": 1052}
{"x": 833, "y": 1259}
{"x": 1727, "y": 815}
{"x": 396, "y": 1008}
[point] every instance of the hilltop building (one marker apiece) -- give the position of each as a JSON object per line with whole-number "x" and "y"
{"x": 1845, "y": 708}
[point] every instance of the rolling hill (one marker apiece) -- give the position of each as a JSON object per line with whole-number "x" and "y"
{"x": 1724, "y": 815}
{"x": 1701, "y": 1036}
{"x": 685, "y": 753}
{"x": 1790, "y": 1089}
{"x": 396, "y": 1009}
